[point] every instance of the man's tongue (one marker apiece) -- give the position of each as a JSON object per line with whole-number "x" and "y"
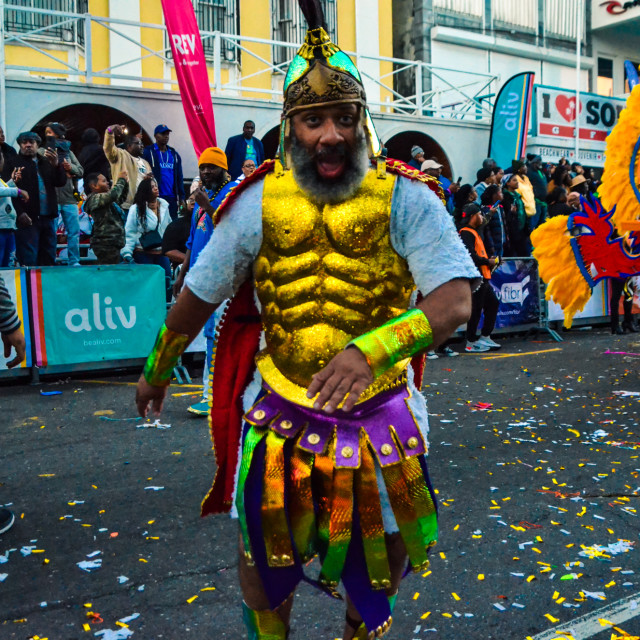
{"x": 330, "y": 167}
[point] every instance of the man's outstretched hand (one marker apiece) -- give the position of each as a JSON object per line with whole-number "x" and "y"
{"x": 147, "y": 393}
{"x": 348, "y": 374}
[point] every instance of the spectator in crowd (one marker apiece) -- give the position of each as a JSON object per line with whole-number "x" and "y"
{"x": 174, "y": 240}
{"x": 485, "y": 177}
{"x": 489, "y": 163}
{"x": 525, "y": 189}
{"x": 67, "y": 201}
{"x": 38, "y": 175}
{"x": 619, "y": 289}
{"x": 576, "y": 169}
{"x": 103, "y": 205}
{"x": 166, "y": 165}
{"x": 484, "y": 299}
{"x": 6, "y": 149}
{"x": 573, "y": 200}
{"x": 465, "y": 194}
{"x": 212, "y": 166}
{"x": 8, "y": 190}
{"x": 417, "y": 157}
{"x": 92, "y": 156}
{"x": 557, "y": 203}
{"x": 559, "y": 178}
{"x": 243, "y": 147}
{"x": 495, "y": 232}
{"x": 434, "y": 169}
{"x": 12, "y": 338}
{"x": 516, "y": 218}
{"x": 147, "y": 220}
{"x": 128, "y": 159}
{"x": 580, "y": 185}
{"x": 248, "y": 167}
{"x": 563, "y": 162}
{"x": 539, "y": 184}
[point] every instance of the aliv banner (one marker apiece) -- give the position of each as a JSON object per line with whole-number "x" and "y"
{"x": 191, "y": 70}
{"x": 510, "y": 122}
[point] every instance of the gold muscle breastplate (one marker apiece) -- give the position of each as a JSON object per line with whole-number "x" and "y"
{"x": 325, "y": 275}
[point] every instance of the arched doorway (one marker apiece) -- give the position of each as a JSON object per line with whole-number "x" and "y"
{"x": 78, "y": 117}
{"x": 270, "y": 142}
{"x": 399, "y": 147}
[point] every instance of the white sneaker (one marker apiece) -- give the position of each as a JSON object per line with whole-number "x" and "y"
{"x": 432, "y": 355}
{"x": 489, "y": 342}
{"x": 476, "y": 347}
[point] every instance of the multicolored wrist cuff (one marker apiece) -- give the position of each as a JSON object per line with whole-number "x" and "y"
{"x": 396, "y": 340}
{"x": 164, "y": 356}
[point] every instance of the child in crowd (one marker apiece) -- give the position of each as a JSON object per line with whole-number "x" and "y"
{"x": 8, "y": 190}
{"x": 103, "y": 205}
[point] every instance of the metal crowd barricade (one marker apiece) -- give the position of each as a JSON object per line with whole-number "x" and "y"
{"x": 523, "y": 306}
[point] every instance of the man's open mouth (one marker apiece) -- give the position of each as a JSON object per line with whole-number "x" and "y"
{"x": 331, "y": 167}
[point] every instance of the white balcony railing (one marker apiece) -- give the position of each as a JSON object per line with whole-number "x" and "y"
{"x": 252, "y": 69}
{"x": 473, "y": 8}
{"x": 520, "y": 13}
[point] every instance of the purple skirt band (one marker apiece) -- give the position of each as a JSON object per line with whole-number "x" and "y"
{"x": 386, "y": 420}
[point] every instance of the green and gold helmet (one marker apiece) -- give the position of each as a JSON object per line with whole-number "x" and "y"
{"x": 322, "y": 75}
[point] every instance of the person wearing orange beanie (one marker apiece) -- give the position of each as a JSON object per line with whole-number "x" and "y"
{"x": 214, "y": 186}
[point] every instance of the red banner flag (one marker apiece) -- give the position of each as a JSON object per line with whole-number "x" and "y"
{"x": 191, "y": 70}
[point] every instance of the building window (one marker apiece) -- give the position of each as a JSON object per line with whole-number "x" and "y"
{"x": 217, "y": 15}
{"x": 604, "y": 83}
{"x": 627, "y": 86}
{"x": 288, "y": 25}
{"x": 24, "y": 21}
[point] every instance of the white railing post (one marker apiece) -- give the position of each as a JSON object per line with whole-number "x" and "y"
{"x": 88, "y": 53}
{"x": 418, "y": 89}
{"x": 217, "y": 61}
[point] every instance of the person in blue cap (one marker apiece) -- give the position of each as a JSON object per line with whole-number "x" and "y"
{"x": 166, "y": 164}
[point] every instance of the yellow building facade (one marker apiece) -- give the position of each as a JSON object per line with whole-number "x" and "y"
{"x": 123, "y": 42}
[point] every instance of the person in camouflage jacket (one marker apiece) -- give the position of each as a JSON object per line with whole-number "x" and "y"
{"x": 103, "y": 206}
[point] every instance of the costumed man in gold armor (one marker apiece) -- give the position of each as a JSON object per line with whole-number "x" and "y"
{"x": 318, "y": 423}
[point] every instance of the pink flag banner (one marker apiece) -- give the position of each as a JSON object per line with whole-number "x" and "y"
{"x": 191, "y": 71}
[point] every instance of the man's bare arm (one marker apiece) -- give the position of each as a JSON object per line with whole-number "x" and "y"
{"x": 187, "y": 317}
{"x": 349, "y": 374}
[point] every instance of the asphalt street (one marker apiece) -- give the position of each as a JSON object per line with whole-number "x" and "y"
{"x": 535, "y": 457}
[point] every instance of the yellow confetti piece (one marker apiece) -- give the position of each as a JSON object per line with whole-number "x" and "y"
{"x": 191, "y": 599}
{"x": 456, "y": 527}
{"x": 455, "y": 596}
{"x": 577, "y": 433}
{"x": 87, "y": 605}
{"x": 555, "y": 595}
{"x": 536, "y": 549}
{"x": 610, "y": 584}
{"x": 481, "y": 576}
{"x": 176, "y": 453}
{"x": 208, "y": 589}
{"x": 427, "y": 573}
{"x": 560, "y": 600}
{"x": 447, "y": 615}
{"x": 46, "y": 475}
{"x": 443, "y": 556}
{"x": 122, "y": 624}
{"x": 103, "y": 412}
{"x": 531, "y": 578}
{"x": 416, "y": 595}
{"x": 142, "y": 560}
{"x": 86, "y": 627}
{"x": 551, "y": 619}
{"x": 424, "y": 616}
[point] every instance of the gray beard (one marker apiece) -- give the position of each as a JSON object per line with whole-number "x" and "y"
{"x": 330, "y": 191}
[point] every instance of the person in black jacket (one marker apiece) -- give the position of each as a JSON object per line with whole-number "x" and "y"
{"x": 484, "y": 300}
{"x": 242, "y": 147}
{"x": 166, "y": 165}
{"x": 92, "y": 157}
{"x": 539, "y": 183}
{"x": 7, "y": 149}
{"x": 36, "y": 219}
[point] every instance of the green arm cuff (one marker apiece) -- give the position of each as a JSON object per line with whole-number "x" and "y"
{"x": 164, "y": 356}
{"x": 395, "y": 340}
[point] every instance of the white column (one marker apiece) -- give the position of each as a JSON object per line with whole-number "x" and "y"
{"x": 122, "y": 50}
{"x": 368, "y": 43}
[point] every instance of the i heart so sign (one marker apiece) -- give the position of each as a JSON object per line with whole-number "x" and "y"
{"x": 566, "y": 106}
